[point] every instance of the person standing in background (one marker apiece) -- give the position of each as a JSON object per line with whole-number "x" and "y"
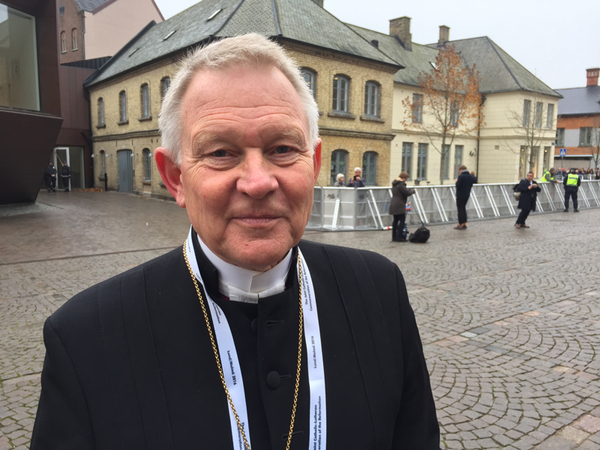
{"x": 65, "y": 174}
{"x": 398, "y": 206}
{"x": 464, "y": 183}
{"x": 571, "y": 183}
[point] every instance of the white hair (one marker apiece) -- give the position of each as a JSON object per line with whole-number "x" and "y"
{"x": 357, "y": 168}
{"x": 339, "y": 176}
{"x": 247, "y": 49}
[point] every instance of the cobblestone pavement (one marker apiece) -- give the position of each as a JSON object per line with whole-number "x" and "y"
{"x": 510, "y": 319}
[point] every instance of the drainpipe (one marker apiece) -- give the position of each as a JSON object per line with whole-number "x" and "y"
{"x": 483, "y": 98}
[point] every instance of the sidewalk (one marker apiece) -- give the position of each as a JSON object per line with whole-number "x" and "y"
{"x": 510, "y": 319}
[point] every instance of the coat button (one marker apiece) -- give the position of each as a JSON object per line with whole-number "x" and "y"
{"x": 273, "y": 380}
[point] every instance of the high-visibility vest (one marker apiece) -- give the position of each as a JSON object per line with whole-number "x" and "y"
{"x": 572, "y": 179}
{"x": 548, "y": 176}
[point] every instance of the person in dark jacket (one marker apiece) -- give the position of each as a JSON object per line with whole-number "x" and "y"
{"x": 50, "y": 178}
{"x": 464, "y": 183}
{"x": 528, "y": 189}
{"x": 357, "y": 180}
{"x": 398, "y": 206}
{"x": 65, "y": 174}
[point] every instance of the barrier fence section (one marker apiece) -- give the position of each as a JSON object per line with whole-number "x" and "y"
{"x": 338, "y": 209}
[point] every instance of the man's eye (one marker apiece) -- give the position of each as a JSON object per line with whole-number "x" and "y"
{"x": 220, "y": 153}
{"x": 283, "y": 149}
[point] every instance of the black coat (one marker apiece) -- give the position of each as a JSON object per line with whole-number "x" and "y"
{"x": 129, "y": 364}
{"x": 464, "y": 183}
{"x": 399, "y": 195}
{"x": 528, "y": 196}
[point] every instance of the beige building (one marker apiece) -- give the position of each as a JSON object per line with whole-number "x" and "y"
{"x": 351, "y": 80}
{"x": 519, "y": 113}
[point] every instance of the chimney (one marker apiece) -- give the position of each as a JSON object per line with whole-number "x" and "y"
{"x": 444, "y": 35}
{"x": 319, "y": 2}
{"x": 592, "y": 77}
{"x": 400, "y": 29}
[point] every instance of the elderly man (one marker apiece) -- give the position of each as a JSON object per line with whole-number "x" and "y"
{"x": 357, "y": 180}
{"x": 246, "y": 337}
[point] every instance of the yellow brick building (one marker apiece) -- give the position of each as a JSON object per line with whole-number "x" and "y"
{"x": 352, "y": 81}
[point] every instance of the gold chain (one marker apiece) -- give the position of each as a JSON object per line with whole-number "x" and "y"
{"x": 218, "y": 359}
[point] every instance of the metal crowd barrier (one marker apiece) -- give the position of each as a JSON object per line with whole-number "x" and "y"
{"x": 338, "y": 209}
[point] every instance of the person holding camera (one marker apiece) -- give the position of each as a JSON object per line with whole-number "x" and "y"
{"x": 528, "y": 189}
{"x": 357, "y": 180}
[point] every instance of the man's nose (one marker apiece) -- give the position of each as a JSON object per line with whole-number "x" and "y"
{"x": 257, "y": 178}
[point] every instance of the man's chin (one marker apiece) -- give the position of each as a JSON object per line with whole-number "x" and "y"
{"x": 259, "y": 254}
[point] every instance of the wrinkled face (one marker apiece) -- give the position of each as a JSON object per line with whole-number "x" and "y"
{"x": 247, "y": 167}
{"x": 357, "y": 172}
{"x": 529, "y": 176}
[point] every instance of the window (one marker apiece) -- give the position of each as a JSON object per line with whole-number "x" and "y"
{"x": 526, "y": 112}
{"x": 63, "y": 42}
{"x": 370, "y": 168}
{"x": 458, "y": 157}
{"x": 585, "y": 136}
{"x": 145, "y": 98}
{"x": 533, "y": 160}
{"x": 372, "y": 99}
{"x": 74, "y": 45}
{"x": 560, "y": 137}
{"x": 339, "y": 164}
{"x": 165, "y": 83}
{"x": 340, "y": 93}
{"x": 19, "y": 82}
{"x": 102, "y": 164}
{"x": 422, "y": 162}
{"x": 310, "y": 77}
{"x": 407, "y": 151}
{"x": 147, "y": 158}
{"x": 417, "y": 111}
{"x": 122, "y": 107}
{"x": 454, "y": 114}
{"x": 61, "y": 10}
{"x": 446, "y": 161}
{"x": 539, "y": 110}
{"x": 101, "y": 112}
{"x": 550, "y": 116}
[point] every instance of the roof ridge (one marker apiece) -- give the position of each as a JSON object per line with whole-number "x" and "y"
{"x": 233, "y": 11}
{"x": 493, "y": 44}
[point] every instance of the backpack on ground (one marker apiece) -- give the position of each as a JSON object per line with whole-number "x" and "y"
{"x": 420, "y": 236}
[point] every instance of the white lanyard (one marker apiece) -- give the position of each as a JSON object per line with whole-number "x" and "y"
{"x": 233, "y": 372}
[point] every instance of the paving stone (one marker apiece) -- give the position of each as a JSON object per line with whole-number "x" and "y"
{"x": 510, "y": 329}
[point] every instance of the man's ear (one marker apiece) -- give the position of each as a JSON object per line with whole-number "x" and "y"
{"x": 170, "y": 174}
{"x": 317, "y": 160}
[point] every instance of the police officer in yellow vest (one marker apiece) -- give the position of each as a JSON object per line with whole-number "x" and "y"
{"x": 571, "y": 182}
{"x": 549, "y": 175}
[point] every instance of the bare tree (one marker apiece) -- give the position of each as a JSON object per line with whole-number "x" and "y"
{"x": 449, "y": 103}
{"x": 595, "y": 141}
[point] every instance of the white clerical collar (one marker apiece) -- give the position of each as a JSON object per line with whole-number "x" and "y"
{"x": 243, "y": 285}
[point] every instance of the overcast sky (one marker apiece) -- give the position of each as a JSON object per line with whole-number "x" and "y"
{"x": 555, "y": 40}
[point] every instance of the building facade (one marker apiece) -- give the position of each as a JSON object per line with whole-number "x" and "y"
{"x": 518, "y": 110}
{"x": 30, "y": 111}
{"x": 578, "y": 129}
{"x": 352, "y": 82}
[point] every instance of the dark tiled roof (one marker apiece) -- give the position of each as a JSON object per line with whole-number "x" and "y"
{"x": 584, "y": 100}
{"x": 416, "y": 61}
{"x": 89, "y": 5}
{"x": 297, "y": 20}
{"x": 499, "y": 71}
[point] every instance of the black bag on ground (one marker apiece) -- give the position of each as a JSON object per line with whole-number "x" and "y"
{"x": 420, "y": 236}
